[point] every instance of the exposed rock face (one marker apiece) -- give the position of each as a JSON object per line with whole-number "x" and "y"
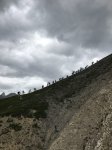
{"x": 79, "y": 116}
{"x": 91, "y": 127}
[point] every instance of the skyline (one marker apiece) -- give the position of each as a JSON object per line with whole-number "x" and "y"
{"x": 41, "y": 41}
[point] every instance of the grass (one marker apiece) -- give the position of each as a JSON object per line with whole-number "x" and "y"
{"x": 15, "y": 107}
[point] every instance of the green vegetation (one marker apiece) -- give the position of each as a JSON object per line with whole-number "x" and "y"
{"x": 35, "y": 125}
{"x": 1, "y": 121}
{"x": 15, "y": 107}
{"x": 15, "y": 126}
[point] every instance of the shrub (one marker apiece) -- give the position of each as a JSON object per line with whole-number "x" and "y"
{"x": 15, "y": 126}
{"x": 35, "y": 125}
{"x": 9, "y": 120}
{"x": 1, "y": 121}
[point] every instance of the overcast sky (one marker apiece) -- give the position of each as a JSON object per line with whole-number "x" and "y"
{"x": 42, "y": 40}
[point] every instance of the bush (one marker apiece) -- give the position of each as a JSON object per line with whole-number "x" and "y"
{"x": 35, "y": 125}
{"x": 15, "y": 126}
{"x": 9, "y": 120}
{"x": 1, "y": 121}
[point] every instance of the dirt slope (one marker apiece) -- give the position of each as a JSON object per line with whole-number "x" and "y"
{"x": 91, "y": 127}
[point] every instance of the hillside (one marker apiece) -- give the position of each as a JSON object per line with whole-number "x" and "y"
{"x": 72, "y": 114}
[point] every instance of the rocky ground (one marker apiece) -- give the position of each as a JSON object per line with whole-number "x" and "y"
{"x": 91, "y": 127}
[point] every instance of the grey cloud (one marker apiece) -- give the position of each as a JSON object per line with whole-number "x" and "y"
{"x": 5, "y": 86}
{"x": 32, "y": 66}
{"x": 4, "y": 4}
{"x": 80, "y": 30}
{"x": 80, "y": 22}
{"x": 83, "y": 22}
{"x": 14, "y": 23}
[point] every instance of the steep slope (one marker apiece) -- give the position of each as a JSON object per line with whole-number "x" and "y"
{"x": 71, "y": 114}
{"x": 90, "y": 128}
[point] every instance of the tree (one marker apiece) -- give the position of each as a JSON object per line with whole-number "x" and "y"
{"x": 19, "y": 93}
{"x": 92, "y": 63}
{"x": 73, "y": 72}
{"x": 86, "y": 67}
{"x": 35, "y": 89}
{"x": 48, "y": 83}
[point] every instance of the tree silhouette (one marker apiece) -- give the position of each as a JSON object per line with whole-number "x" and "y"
{"x": 48, "y": 84}
{"x": 73, "y": 72}
{"x": 19, "y": 93}
{"x": 81, "y": 69}
{"x": 86, "y": 67}
{"x": 35, "y": 89}
{"x": 92, "y": 63}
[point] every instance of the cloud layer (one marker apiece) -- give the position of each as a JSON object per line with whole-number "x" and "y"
{"x": 43, "y": 40}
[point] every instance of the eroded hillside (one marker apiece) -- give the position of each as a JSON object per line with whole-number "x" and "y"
{"x": 90, "y": 128}
{"x": 72, "y": 114}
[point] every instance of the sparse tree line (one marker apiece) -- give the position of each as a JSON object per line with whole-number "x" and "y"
{"x": 53, "y": 82}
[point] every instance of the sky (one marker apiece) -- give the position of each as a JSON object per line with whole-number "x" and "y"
{"x": 43, "y": 40}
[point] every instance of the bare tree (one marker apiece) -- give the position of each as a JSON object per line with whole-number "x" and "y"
{"x": 73, "y": 72}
